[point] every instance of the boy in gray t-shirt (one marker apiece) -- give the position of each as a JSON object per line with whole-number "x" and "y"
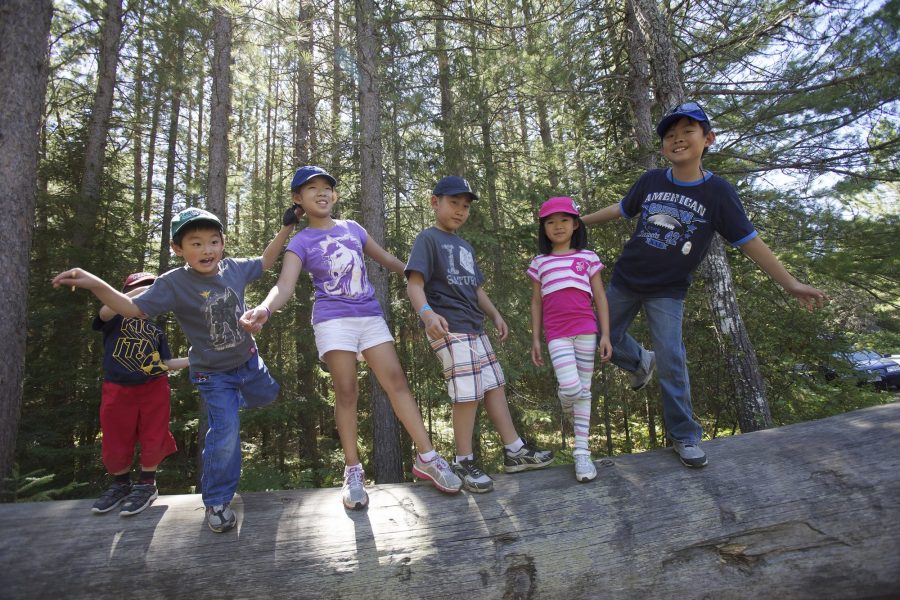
{"x": 206, "y": 296}
{"x": 444, "y": 285}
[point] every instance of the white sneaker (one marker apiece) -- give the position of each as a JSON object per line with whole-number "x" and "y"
{"x": 584, "y": 468}
{"x": 354, "y": 491}
{"x": 641, "y": 377}
{"x": 439, "y": 473}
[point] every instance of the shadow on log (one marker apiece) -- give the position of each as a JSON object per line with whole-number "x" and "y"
{"x": 806, "y": 511}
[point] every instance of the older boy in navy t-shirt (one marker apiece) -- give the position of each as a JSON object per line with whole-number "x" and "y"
{"x": 679, "y": 211}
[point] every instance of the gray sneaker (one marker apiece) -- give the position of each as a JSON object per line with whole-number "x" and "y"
{"x": 354, "y": 491}
{"x": 220, "y": 517}
{"x": 584, "y": 468}
{"x": 111, "y": 498}
{"x": 142, "y": 495}
{"x": 473, "y": 478}
{"x": 527, "y": 458}
{"x": 641, "y": 377}
{"x": 690, "y": 454}
{"x": 439, "y": 473}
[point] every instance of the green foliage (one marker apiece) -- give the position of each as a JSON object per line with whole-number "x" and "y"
{"x": 803, "y": 100}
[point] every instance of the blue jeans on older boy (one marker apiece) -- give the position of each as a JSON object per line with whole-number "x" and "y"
{"x": 664, "y": 319}
{"x": 225, "y": 393}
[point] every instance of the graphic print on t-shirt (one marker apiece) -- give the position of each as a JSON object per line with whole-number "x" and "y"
{"x": 670, "y": 220}
{"x": 345, "y": 266}
{"x": 135, "y": 347}
{"x": 466, "y": 261}
{"x": 222, "y": 312}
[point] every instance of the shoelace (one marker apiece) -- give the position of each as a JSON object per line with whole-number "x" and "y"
{"x": 354, "y": 477}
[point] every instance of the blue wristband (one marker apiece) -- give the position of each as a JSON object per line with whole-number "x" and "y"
{"x": 424, "y": 308}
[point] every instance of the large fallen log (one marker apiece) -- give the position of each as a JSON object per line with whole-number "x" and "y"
{"x": 806, "y": 511}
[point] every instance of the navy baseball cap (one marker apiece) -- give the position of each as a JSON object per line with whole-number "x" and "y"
{"x": 685, "y": 109}
{"x": 452, "y": 185}
{"x": 306, "y": 173}
{"x": 189, "y": 215}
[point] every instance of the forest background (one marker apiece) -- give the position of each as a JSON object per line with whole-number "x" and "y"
{"x": 154, "y": 106}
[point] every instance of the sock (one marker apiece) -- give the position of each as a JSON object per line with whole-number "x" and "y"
{"x": 123, "y": 478}
{"x": 428, "y": 456}
{"x": 516, "y": 445}
{"x": 356, "y": 467}
{"x": 459, "y": 458}
{"x": 147, "y": 477}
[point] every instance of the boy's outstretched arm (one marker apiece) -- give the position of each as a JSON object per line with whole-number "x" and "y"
{"x": 604, "y": 215}
{"x": 273, "y": 250}
{"x": 435, "y": 325}
{"x": 762, "y": 255}
{"x": 106, "y": 313}
{"x": 485, "y": 304}
{"x": 177, "y": 363}
{"x": 112, "y": 298}
{"x": 253, "y": 319}
{"x": 384, "y": 258}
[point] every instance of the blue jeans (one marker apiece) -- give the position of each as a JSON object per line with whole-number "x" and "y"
{"x": 664, "y": 318}
{"x": 225, "y": 393}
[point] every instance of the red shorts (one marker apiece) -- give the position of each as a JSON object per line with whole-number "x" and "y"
{"x": 131, "y": 414}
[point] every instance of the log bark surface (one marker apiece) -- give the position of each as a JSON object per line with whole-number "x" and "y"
{"x": 806, "y": 511}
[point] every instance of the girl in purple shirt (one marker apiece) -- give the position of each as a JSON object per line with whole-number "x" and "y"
{"x": 566, "y": 287}
{"x": 348, "y": 321}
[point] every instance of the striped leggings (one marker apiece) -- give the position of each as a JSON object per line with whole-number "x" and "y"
{"x": 573, "y": 362}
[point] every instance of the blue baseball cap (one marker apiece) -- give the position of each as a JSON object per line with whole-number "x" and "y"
{"x": 452, "y": 185}
{"x": 306, "y": 173}
{"x": 685, "y": 109}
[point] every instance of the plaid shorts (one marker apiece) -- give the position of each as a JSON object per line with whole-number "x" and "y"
{"x": 470, "y": 366}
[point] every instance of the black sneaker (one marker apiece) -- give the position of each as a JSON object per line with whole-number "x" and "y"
{"x": 527, "y": 458}
{"x": 109, "y": 499}
{"x": 142, "y": 495}
{"x": 473, "y": 478}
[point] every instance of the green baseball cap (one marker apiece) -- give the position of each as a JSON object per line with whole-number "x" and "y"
{"x": 190, "y": 215}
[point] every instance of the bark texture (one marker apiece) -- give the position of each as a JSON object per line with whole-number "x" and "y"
{"x": 388, "y": 461}
{"x": 98, "y": 126}
{"x": 219, "y": 113}
{"x": 24, "y": 30}
{"x": 808, "y": 511}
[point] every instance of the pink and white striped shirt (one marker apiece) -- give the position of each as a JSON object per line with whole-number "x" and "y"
{"x": 558, "y": 271}
{"x": 565, "y": 279}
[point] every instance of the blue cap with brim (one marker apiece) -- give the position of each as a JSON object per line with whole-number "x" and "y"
{"x": 306, "y": 173}
{"x": 452, "y": 185}
{"x": 691, "y": 110}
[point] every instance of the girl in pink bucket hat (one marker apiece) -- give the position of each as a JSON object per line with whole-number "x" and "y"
{"x": 566, "y": 290}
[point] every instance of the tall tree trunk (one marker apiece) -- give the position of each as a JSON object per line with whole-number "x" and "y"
{"x": 639, "y": 88}
{"x": 171, "y": 158}
{"x": 388, "y": 462}
{"x": 219, "y": 112}
{"x": 305, "y": 88}
{"x": 336, "y": 77}
{"x": 24, "y": 31}
{"x": 453, "y": 160}
{"x": 137, "y": 134}
{"x": 750, "y": 392}
{"x": 98, "y": 127}
{"x": 543, "y": 113}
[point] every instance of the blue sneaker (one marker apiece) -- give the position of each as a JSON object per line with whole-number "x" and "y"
{"x": 690, "y": 454}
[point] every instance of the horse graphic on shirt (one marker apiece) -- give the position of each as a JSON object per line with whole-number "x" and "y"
{"x": 346, "y": 268}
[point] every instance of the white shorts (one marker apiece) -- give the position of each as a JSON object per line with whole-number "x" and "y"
{"x": 353, "y": 334}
